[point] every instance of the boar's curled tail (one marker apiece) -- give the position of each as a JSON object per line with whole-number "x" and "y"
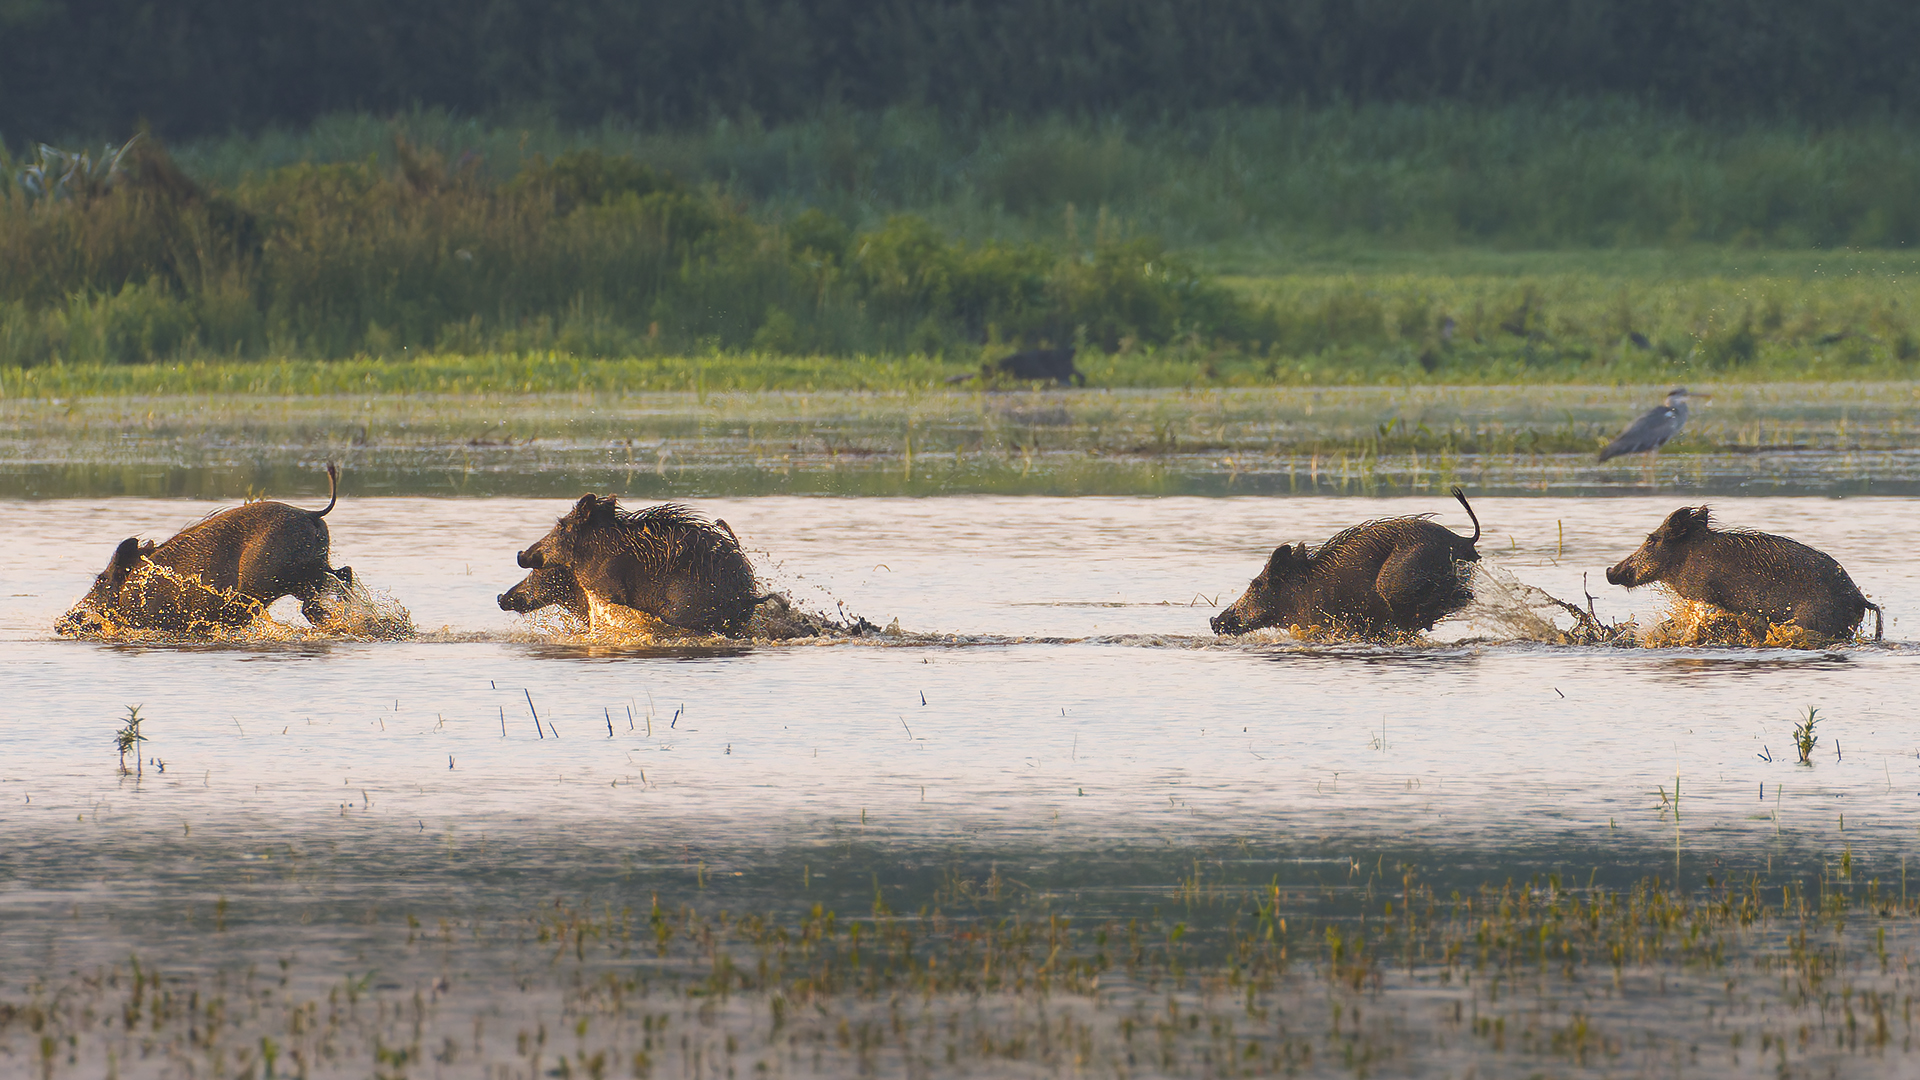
{"x": 333, "y": 491}
{"x": 1462, "y": 496}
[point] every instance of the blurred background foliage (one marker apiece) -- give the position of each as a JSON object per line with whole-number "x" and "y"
{"x": 201, "y": 67}
{"x": 585, "y": 253}
{"x": 1216, "y": 191}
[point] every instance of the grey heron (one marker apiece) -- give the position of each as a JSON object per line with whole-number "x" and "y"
{"x": 1652, "y": 431}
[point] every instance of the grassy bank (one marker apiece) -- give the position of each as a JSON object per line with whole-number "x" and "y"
{"x": 1498, "y": 319}
{"x": 1586, "y": 242}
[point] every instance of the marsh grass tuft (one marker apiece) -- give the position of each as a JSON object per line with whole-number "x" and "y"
{"x": 128, "y": 739}
{"x": 1804, "y": 739}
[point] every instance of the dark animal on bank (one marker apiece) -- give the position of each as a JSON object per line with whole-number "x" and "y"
{"x": 221, "y": 571}
{"x": 1762, "y": 579}
{"x": 553, "y": 586}
{"x": 1033, "y": 365}
{"x": 1389, "y": 577}
{"x": 666, "y": 561}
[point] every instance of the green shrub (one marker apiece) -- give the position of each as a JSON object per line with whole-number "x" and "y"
{"x": 589, "y": 253}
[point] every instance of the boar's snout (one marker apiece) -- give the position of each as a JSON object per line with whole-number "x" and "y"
{"x": 1227, "y": 622}
{"x": 530, "y": 559}
{"x": 502, "y": 601}
{"x": 1621, "y": 573}
{"x": 79, "y": 621}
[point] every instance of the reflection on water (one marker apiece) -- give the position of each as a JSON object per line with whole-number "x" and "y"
{"x": 1077, "y": 831}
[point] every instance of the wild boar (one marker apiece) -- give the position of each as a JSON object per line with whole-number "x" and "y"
{"x": 221, "y": 571}
{"x": 1390, "y": 578}
{"x": 666, "y": 560}
{"x": 1040, "y": 365}
{"x": 1032, "y": 365}
{"x": 774, "y": 616}
{"x": 1761, "y": 579}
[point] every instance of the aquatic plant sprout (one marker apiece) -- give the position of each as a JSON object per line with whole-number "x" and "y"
{"x": 1804, "y": 739}
{"x": 128, "y": 740}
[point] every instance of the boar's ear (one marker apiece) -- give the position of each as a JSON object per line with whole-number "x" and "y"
{"x": 583, "y": 510}
{"x": 1677, "y": 526}
{"x": 606, "y": 511}
{"x": 1287, "y": 562}
{"x": 1685, "y": 522}
{"x": 125, "y": 558}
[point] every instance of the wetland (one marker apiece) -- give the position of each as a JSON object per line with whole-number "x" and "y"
{"x": 1045, "y": 824}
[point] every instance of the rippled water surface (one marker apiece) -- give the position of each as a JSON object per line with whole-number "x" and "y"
{"x": 1052, "y": 732}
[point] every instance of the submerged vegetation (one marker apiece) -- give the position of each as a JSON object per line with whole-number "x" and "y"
{"x": 1507, "y": 978}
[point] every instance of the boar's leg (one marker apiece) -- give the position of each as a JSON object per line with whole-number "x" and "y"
{"x": 1833, "y": 620}
{"x": 1754, "y": 625}
{"x": 1419, "y": 584}
{"x": 685, "y": 604}
{"x": 314, "y": 594}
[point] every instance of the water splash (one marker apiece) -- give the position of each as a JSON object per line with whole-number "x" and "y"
{"x": 202, "y": 613}
{"x": 1509, "y": 609}
{"x": 358, "y": 613}
{"x": 774, "y": 619}
{"x": 1689, "y": 623}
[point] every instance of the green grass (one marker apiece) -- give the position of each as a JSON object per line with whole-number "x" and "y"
{"x": 1547, "y": 318}
{"x": 1597, "y": 242}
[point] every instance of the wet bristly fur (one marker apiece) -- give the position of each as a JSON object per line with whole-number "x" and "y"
{"x": 1763, "y": 580}
{"x": 667, "y": 561}
{"x": 221, "y": 571}
{"x": 1389, "y": 577}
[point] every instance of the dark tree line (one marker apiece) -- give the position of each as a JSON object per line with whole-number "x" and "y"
{"x": 193, "y": 67}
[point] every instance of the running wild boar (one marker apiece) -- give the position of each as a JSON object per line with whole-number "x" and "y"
{"x": 221, "y": 571}
{"x": 666, "y": 561}
{"x": 1389, "y": 577}
{"x": 1761, "y": 579}
{"x": 774, "y": 616}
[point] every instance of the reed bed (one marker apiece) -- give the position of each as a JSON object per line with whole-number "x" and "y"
{"x": 1391, "y": 977}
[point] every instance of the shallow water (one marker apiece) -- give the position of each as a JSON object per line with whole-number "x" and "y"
{"x": 1061, "y": 645}
{"x": 1748, "y": 439}
{"x": 1054, "y": 713}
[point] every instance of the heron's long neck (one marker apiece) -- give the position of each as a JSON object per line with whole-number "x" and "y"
{"x": 1679, "y": 407}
